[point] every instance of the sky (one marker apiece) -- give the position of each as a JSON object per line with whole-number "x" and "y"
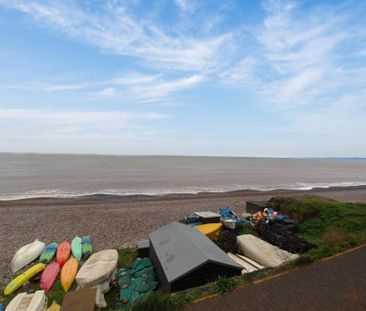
{"x": 267, "y": 78}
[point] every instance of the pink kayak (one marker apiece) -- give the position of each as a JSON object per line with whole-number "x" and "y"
{"x": 49, "y": 276}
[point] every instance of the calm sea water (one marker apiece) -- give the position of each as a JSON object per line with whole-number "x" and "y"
{"x": 35, "y": 175}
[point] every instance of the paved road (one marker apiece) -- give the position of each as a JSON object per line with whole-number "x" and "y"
{"x": 335, "y": 284}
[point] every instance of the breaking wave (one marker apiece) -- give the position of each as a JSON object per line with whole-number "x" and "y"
{"x": 57, "y": 193}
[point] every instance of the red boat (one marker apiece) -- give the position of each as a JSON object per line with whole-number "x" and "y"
{"x": 49, "y": 276}
{"x": 63, "y": 252}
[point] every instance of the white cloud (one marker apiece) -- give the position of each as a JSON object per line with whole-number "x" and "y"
{"x": 106, "y": 92}
{"x": 295, "y": 88}
{"x": 65, "y": 87}
{"x": 115, "y": 29}
{"x": 47, "y": 87}
{"x": 133, "y": 78}
{"x": 279, "y": 13}
{"x": 242, "y": 72}
{"x": 160, "y": 89}
{"x": 132, "y": 86}
{"x": 146, "y": 89}
{"x": 78, "y": 118}
{"x": 298, "y": 51}
{"x": 182, "y": 4}
{"x": 302, "y": 57}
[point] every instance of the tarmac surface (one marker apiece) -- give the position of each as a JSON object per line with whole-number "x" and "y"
{"x": 338, "y": 283}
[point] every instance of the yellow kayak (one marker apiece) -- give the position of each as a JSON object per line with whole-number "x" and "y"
{"x": 22, "y": 278}
{"x": 68, "y": 273}
{"x": 210, "y": 230}
{"x": 54, "y": 307}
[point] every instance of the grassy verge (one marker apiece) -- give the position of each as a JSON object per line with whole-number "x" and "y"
{"x": 332, "y": 226}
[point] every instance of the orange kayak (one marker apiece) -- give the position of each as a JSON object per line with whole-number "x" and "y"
{"x": 68, "y": 273}
{"x": 63, "y": 252}
{"x": 212, "y": 231}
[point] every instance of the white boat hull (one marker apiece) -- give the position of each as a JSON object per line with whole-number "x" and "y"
{"x": 262, "y": 252}
{"x": 247, "y": 267}
{"x": 229, "y": 223}
{"x": 250, "y": 261}
{"x": 97, "y": 269}
{"x": 28, "y": 302}
{"x": 26, "y": 255}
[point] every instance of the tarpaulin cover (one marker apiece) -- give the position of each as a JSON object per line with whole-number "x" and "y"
{"x": 136, "y": 283}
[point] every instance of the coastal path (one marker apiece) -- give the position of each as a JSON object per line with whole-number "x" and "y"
{"x": 335, "y": 283}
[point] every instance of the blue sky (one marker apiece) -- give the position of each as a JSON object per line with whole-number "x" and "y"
{"x": 205, "y": 77}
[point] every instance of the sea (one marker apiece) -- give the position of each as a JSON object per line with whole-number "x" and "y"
{"x": 61, "y": 175}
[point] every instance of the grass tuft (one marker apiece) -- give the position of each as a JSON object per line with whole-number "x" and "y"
{"x": 224, "y": 285}
{"x": 126, "y": 256}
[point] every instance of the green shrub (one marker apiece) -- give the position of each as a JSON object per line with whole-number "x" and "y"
{"x": 227, "y": 241}
{"x": 224, "y": 285}
{"x": 301, "y": 209}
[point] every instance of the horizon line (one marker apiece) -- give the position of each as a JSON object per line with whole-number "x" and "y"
{"x": 182, "y": 155}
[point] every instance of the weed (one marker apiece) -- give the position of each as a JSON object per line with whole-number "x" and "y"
{"x": 334, "y": 237}
{"x": 224, "y": 285}
{"x": 126, "y": 257}
{"x": 227, "y": 241}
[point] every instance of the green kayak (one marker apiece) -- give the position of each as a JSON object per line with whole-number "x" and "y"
{"x": 76, "y": 248}
{"x": 48, "y": 253}
{"x": 87, "y": 247}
